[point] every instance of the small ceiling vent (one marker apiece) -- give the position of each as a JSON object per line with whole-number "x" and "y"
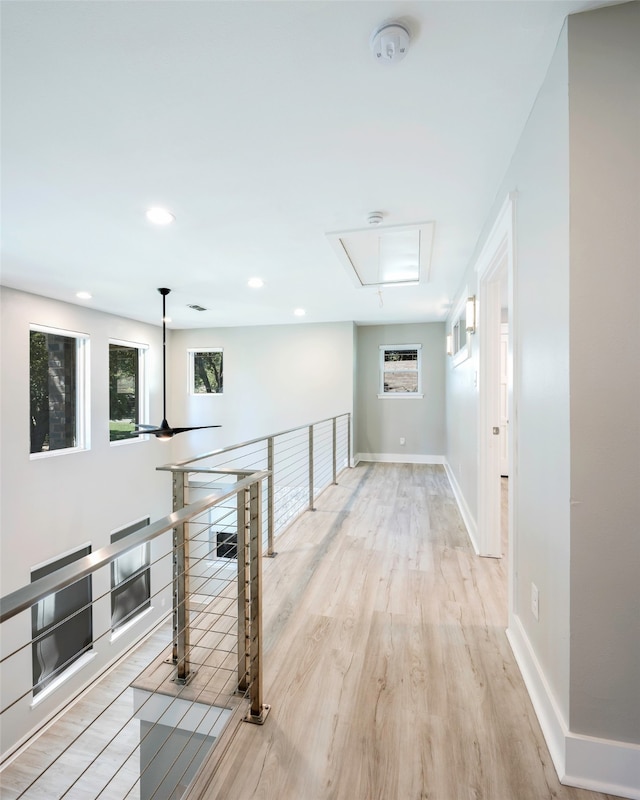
{"x": 196, "y": 307}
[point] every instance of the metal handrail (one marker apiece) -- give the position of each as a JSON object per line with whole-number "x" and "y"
{"x": 25, "y": 597}
{"x": 230, "y": 448}
{"x": 266, "y": 445}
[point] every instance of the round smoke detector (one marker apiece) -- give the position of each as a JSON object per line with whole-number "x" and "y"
{"x": 390, "y": 42}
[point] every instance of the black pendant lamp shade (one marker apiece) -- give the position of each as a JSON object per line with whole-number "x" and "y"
{"x": 165, "y": 431}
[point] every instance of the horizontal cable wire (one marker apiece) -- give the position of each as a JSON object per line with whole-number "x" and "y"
{"x": 212, "y": 602}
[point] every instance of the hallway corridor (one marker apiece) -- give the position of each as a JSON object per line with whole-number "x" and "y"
{"x": 387, "y": 665}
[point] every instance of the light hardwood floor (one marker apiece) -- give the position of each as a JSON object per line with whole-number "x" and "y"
{"x": 387, "y": 666}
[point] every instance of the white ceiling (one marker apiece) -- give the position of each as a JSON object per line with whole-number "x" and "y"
{"x": 262, "y": 126}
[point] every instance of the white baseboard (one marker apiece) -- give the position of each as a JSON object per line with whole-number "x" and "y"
{"x": 399, "y": 458}
{"x": 465, "y": 513}
{"x": 599, "y": 765}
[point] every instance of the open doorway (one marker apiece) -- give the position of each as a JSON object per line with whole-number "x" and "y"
{"x": 496, "y": 403}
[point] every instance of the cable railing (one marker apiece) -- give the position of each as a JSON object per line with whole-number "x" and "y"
{"x": 301, "y": 463}
{"x": 144, "y": 724}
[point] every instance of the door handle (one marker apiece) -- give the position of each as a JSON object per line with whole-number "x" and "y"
{"x": 496, "y": 431}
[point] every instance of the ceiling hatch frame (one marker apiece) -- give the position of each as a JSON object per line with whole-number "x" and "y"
{"x": 389, "y": 255}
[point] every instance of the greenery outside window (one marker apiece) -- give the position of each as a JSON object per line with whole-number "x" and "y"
{"x": 59, "y": 407}
{"x": 205, "y": 371}
{"x": 401, "y": 371}
{"x": 126, "y": 390}
{"x": 130, "y": 578}
{"x": 61, "y": 624}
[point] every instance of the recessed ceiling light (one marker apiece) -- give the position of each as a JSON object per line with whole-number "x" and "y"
{"x": 160, "y": 216}
{"x": 255, "y": 283}
{"x": 299, "y": 312}
{"x": 83, "y": 295}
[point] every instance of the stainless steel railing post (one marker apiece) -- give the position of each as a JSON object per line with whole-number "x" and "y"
{"x": 270, "y": 497}
{"x": 244, "y": 598}
{"x": 181, "y": 644}
{"x": 253, "y": 517}
{"x": 311, "y": 508}
{"x": 334, "y": 451}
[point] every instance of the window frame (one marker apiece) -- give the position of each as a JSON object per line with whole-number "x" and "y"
{"x": 460, "y": 351}
{"x": 118, "y": 535}
{"x": 82, "y": 421}
{"x": 191, "y": 354}
{"x": 382, "y": 393}
{"x": 39, "y": 630}
{"x": 143, "y": 390}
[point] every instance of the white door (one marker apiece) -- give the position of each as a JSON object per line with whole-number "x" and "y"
{"x": 504, "y": 400}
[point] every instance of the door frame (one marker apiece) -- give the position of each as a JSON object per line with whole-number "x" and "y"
{"x": 496, "y": 258}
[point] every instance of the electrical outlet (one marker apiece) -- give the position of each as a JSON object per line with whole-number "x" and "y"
{"x": 402, "y": 440}
{"x": 535, "y": 605}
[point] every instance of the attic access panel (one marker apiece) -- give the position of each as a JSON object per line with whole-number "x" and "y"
{"x": 398, "y": 255}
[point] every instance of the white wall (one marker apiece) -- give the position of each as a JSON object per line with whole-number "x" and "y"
{"x": 604, "y": 76}
{"x": 461, "y": 415}
{"x": 380, "y": 423}
{"x": 54, "y": 504}
{"x": 539, "y": 172}
{"x": 576, "y": 476}
{"x": 51, "y": 504}
{"x": 275, "y": 378}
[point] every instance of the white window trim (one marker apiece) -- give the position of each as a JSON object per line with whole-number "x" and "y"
{"x": 143, "y": 384}
{"x": 382, "y": 395}
{"x": 83, "y": 389}
{"x": 122, "y": 629}
{"x": 191, "y": 376}
{"x": 69, "y": 672}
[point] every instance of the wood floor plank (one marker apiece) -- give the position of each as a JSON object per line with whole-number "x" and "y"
{"x": 387, "y": 665}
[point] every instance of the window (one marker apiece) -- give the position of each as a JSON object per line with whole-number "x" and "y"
{"x": 401, "y": 370}
{"x": 58, "y": 391}
{"x": 61, "y": 624}
{"x": 127, "y": 396}
{"x": 205, "y": 371}
{"x": 226, "y": 544}
{"x": 460, "y": 339}
{"x": 130, "y": 578}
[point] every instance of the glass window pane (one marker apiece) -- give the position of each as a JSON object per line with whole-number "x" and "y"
{"x": 207, "y": 372}
{"x": 130, "y": 599}
{"x": 61, "y": 624}
{"x": 124, "y": 392}
{"x": 130, "y": 578}
{"x": 401, "y": 371}
{"x": 130, "y": 563}
{"x": 53, "y": 391}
